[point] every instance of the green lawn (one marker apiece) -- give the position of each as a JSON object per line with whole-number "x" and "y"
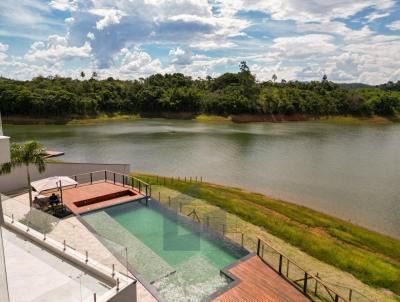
{"x": 371, "y": 257}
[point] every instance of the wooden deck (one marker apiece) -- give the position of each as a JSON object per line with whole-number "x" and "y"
{"x": 52, "y": 153}
{"x": 88, "y": 197}
{"x": 258, "y": 283}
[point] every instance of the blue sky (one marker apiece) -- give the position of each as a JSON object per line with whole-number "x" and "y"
{"x": 350, "y": 41}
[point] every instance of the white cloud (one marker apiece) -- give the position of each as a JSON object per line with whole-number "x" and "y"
{"x": 56, "y": 50}
{"x": 110, "y": 16}
{"x": 137, "y": 63}
{"x": 304, "y": 11}
{"x": 331, "y": 27}
{"x": 394, "y": 25}
{"x": 25, "y": 12}
{"x": 212, "y": 44}
{"x": 300, "y": 39}
{"x": 180, "y": 56}
{"x": 376, "y": 15}
{"x": 63, "y": 5}
{"x": 148, "y": 21}
{"x": 90, "y": 36}
{"x": 3, "y": 47}
{"x": 69, "y": 21}
{"x": 264, "y": 73}
{"x": 305, "y": 46}
{"x": 3, "y": 50}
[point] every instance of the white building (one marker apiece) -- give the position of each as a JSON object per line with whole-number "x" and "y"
{"x": 36, "y": 268}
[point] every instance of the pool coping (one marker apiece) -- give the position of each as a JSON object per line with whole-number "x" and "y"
{"x": 153, "y": 291}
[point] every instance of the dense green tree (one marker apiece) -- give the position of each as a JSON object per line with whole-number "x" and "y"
{"x": 229, "y": 93}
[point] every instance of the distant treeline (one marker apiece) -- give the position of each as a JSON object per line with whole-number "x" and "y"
{"x": 230, "y": 93}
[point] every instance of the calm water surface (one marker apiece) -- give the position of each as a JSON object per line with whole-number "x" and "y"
{"x": 350, "y": 171}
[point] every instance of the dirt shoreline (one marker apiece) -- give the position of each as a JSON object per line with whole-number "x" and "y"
{"x": 236, "y": 118}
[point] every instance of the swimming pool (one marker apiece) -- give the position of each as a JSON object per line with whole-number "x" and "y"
{"x": 180, "y": 258}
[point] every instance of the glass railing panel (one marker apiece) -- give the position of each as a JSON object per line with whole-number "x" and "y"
{"x": 3, "y": 272}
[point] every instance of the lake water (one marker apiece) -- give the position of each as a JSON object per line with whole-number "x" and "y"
{"x": 349, "y": 171}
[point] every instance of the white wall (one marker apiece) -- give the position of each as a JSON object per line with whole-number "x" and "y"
{"x": 4, "y": 149}
{"x": 16, "y": 180}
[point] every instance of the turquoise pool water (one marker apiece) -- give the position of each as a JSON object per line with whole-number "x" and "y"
{"x": 177, "y": 256}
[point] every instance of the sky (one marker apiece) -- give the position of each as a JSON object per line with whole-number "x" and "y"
{"x": 350, "y": 41}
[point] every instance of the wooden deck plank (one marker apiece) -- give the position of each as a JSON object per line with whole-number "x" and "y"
{"x": 259, "y": 283}
{"x": 106, "y": 194}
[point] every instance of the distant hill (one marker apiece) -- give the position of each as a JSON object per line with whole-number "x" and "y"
{"x": 390, "y": 86}
{"x": 355, "y": 85}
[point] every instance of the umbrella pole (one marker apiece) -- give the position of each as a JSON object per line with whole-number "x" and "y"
{"x": 61, "y": 193}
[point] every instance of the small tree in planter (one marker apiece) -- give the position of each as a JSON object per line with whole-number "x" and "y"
{"x": 29, "y": 153}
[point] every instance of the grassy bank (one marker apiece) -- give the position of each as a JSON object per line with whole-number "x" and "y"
{"x": 203, "y": 118}
{"x": 371, "y": 257}
{"x": 73, "y": 120}
{"x": 351, "y": 120}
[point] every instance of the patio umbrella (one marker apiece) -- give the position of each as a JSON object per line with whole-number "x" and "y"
{"x": 52, "y": 183}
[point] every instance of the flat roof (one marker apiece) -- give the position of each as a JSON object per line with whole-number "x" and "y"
{"x": 35, "y": 274}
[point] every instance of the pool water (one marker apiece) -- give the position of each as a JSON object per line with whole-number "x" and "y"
{"x": 178, "y": 257}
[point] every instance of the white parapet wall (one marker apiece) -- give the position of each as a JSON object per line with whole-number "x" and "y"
{"x": 4, "y": 149}
{"x": 17, "y": 178}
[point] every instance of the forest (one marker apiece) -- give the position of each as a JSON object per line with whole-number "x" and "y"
{"x": 228, "y": 94}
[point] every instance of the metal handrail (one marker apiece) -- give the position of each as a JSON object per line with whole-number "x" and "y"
{"x": 335, "y": 297}
{"x": 319, "y": 284}
{"x": 126, "y": 180}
